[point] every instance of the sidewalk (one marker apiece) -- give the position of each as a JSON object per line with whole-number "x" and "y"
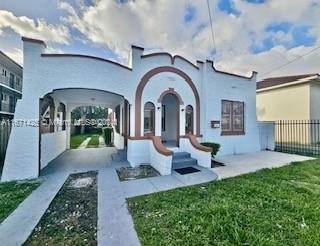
{"x": 246, "y": 163}
{"x": 27, "y": 215}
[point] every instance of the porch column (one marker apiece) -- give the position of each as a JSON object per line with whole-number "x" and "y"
{"x": 68, "y": 126}
{"x": 0, "y": 97}
{"x": 158, "y": 119}
{"x": 182, "y": 123}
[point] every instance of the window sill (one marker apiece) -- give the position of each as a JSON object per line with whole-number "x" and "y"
{"x": 232, "y": 133}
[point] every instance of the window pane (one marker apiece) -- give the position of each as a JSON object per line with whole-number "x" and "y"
{"x": 148, "y": 123}
{"x": 237, "y": 108}
{"x": 237, "y": 123}
{"x": 238, "y": 114}
{"x": 226, "y": 116}
{"x": 226, "y": 107}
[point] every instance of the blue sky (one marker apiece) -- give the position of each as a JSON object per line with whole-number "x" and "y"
{"x": 255, "y": 30}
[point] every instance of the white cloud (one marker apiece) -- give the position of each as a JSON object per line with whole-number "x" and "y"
{"x": 15, "y": 54}
{"x": 40, "y": 29}
{"x": 160, "y": 25}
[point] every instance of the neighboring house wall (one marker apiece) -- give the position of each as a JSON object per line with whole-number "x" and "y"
{"x": 284, "y": 103}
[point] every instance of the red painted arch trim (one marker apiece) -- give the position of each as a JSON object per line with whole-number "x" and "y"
{"x": 145, "y": 79}
{"x": 173, "y": 58}
{"x": 170, "y": 91}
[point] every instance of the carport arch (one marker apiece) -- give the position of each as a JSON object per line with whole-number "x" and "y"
{"x": 51, "y": 95}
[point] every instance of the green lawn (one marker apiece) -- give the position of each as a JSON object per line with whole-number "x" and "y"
{"x": 94, "y": 141}
{"x": 270, "y": 207}
{"x": 76, "y": 140}
{"x": 13, "y": 193}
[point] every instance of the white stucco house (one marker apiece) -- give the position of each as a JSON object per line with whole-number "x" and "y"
{"x": 163, "y": 104}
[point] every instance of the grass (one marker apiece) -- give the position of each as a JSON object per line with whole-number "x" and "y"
{"x": 94, "y": 141}
{"x": 76, "y": 140}
{"x": 140, "y": 172}
{"x": 71, "y": 218}
{"x": 12, "y": 194}
{"x": 270, "y": 207}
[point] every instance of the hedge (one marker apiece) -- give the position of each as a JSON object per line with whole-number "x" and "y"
{"x": 215, "y": 147}
{"x": 107, "y": 134}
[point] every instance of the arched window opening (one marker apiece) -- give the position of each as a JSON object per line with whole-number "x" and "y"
{"x": 189, "y": 119}
{"x": 149, "y": 119}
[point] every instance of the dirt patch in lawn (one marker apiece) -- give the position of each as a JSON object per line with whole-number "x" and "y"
{"x": 71, "y": 218}
{"x": 140, "y": 172}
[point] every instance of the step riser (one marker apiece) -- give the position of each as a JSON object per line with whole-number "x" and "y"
{"x": 181, "y": 155}
{"x": 179, "y": 164}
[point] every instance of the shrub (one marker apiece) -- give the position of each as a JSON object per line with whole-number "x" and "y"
{"x": 93, "y": 130}
{"x": 107, "y": 132}
{"x": 215, "y": 147}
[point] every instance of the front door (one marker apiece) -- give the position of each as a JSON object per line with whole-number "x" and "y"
{"x": 170, "y": 120}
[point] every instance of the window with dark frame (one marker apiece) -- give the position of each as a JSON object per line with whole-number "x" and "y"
{"x": 189, "y": 120}
{"x": 149, "y": 119}
{"x": 232, "y": 118}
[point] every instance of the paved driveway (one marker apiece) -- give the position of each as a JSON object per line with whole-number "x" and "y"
{"x": 80, "y": 160}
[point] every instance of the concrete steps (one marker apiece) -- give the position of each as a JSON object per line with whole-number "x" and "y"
{"x": 183, "y": 159}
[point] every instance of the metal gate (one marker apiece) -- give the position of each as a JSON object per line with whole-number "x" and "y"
{"x": 298, "y": 136}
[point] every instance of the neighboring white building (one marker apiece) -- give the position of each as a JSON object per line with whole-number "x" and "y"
{"x": 10, "y": 85}
{"x": 160, "y": 101}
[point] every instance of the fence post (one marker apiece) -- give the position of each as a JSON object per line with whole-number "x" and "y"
{"x": 280, "y": 129}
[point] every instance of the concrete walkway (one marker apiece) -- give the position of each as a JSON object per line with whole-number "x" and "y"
{"x": 115, "y": 225}
{"x": 84, "y": 144}
{"x": 102, "y": 143}
{"x": 246, "y": 163}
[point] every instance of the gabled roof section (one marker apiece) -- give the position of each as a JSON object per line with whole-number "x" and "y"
{"x": 286, "y": 80}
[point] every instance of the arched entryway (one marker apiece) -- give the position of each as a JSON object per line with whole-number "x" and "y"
{"x": 170, "y": 120}
{"x": 56, "y": 125}
{"x": 139, "y": 91}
